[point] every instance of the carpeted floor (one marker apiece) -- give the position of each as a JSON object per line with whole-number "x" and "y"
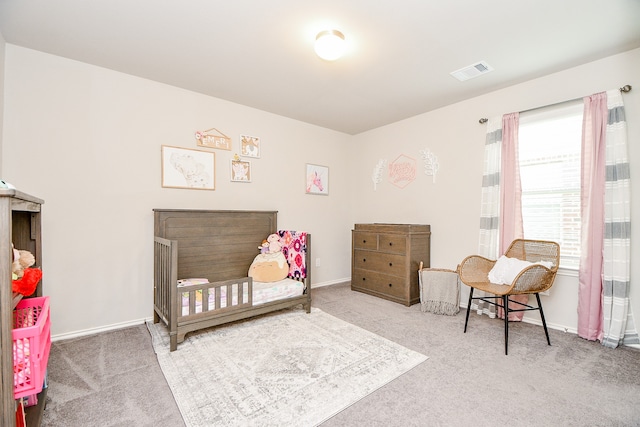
{"x": 113, "y": 379}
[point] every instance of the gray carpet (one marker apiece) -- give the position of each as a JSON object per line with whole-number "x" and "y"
{"x": 113, "y": 379}
{"x": 278, "y": 369}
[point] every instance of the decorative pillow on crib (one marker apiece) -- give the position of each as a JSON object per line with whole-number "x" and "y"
{"x": 294, "y": 247}
{"x": 269, "y": 267}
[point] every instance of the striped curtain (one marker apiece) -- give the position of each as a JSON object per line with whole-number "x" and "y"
{"x": 501, "y": 207}
{"x": 618, "y": 325}
{"x": 488, "y": 246}
{"x": 603, "y": 292}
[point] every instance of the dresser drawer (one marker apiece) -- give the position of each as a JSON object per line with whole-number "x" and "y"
{"x": 394, "y": 265}
{"x": 365, "y": 240}
{"x": 392, "y": 243}
{"x": 379, "y": 283}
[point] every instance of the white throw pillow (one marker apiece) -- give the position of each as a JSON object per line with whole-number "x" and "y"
{"x": 497, "y": 273}
{"x": 506, "y": 269}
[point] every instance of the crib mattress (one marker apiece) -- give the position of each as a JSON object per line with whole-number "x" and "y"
{"x": 263, "y": 292}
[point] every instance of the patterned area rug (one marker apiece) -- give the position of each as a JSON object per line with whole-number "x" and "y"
{"x": 286, "y": 368}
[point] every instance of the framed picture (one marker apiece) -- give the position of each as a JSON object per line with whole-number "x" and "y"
{"x": 250, "y": 146}
{"x": 240, "y": 171}
{"x": 317, "y": 180}
{"x": 188, "y": 168}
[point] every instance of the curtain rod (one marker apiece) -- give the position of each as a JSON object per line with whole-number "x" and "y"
{"x": 625, "y": 89}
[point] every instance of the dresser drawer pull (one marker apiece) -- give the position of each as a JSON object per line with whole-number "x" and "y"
{"x": 390, "y": 243}
{"x": 390, "y": 264}
{"x": 390, "y": 285}
{"x": 364, "y": 241}
{"x": 364, "y": 260}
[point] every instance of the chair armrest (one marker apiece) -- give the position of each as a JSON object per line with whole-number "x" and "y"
{"x": 475, "y": 268}
{"x": 533, "y": 279}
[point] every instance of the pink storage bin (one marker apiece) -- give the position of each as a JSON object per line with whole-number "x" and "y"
{"x": 31, "y": 345}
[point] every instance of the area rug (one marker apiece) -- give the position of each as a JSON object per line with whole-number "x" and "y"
{"x": 285, "y": 368}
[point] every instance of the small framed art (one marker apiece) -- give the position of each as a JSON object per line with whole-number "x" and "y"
{"x": 250, "y": 146}
{"x": 317, "y": 179}
{"x": 240, "y": 170}
{"x": 188, "y": 168}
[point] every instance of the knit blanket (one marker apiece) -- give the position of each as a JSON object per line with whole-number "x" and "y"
{"x": 439, "y": 291}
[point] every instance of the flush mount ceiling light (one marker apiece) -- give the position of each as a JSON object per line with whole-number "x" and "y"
{"x": 330, "y": 44}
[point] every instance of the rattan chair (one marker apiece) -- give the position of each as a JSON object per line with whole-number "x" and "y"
{"x": 474, "y": 271}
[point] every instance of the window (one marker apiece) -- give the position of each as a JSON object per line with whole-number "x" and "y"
{"x": 549, "y": 154}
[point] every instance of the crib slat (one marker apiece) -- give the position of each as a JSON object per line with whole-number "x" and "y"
{"x": 229, "y": 292}
{"x": 205, "y": 300}
{"x": 192, "y": 302}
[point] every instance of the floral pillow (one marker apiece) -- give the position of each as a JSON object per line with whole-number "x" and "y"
{"x": 294, "y": 248}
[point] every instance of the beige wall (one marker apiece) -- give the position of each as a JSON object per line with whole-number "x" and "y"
{"x": 87, "y": 140}
{"x": 451, "y": 205}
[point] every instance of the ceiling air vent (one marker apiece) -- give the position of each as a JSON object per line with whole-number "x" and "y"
{"x": 472, "y": 71}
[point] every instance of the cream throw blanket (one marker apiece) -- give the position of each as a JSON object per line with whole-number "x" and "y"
{"x": 439, "y": 291}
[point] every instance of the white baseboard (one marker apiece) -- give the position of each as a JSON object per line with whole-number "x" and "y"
{"x": 91, "y": 331}
{"x": 331, "y": 282}
{"x": 550, "y": 325}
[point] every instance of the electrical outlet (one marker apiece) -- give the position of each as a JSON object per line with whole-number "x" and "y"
{"x": 317, "y": 262}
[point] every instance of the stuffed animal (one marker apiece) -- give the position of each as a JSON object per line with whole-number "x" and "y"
{"x": 274, "y": 243}
{"x": 27, "y": 284}
{"x": 264, "y": 247}
{"x": 269, "y": 267}
{"x": 21, "y": 260}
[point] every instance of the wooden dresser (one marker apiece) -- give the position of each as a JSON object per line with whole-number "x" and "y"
{"x": 386, "y": 258}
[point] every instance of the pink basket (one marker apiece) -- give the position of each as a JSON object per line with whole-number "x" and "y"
{"x": 31, "y": 345}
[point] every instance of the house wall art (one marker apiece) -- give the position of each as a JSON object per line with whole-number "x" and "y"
{"x": 213, "y": 138}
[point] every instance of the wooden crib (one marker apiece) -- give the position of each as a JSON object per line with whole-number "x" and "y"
{"x": 218, "y": 246}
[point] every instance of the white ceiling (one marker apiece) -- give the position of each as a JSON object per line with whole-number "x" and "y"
{"x": 260, "y": 53}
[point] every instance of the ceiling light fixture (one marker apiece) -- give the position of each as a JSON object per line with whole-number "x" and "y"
{"x": 330, "y": 44}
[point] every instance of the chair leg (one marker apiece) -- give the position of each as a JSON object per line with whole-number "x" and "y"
{"x": 466, "y": 320}
{"x": 505, "y": 305}
{"x": 544, "y": 323}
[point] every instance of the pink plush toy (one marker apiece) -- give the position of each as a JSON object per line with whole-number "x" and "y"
{"x": 274, "y": 243}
